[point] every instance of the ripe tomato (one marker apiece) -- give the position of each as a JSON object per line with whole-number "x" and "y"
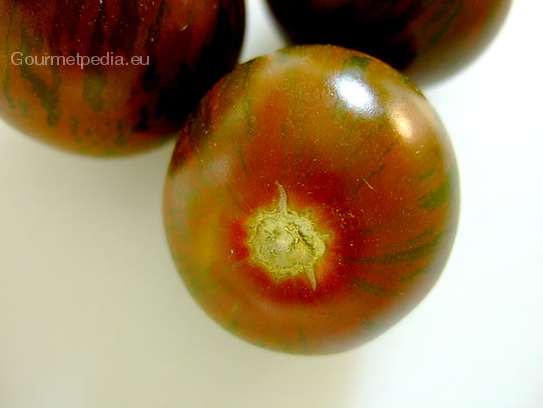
{"x": 125, "y": 74}
{"x": 428, "y": 40}
{"x": 311, "y": 200}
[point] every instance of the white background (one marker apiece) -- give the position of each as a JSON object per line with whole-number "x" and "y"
{"x": 93, "y": 314}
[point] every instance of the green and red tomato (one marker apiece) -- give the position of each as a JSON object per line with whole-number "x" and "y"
{"x": 112, "y": 77}
{"x": 428, "y": 40}
{"x": 312, "y": 199}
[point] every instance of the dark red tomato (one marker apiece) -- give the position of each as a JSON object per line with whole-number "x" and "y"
{"x": 171, "y": 52}
{"x": 428, "y": 40}
{"x": 311, "y": 200}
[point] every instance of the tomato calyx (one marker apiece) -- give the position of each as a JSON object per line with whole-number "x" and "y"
{"x": 285, "y": 242}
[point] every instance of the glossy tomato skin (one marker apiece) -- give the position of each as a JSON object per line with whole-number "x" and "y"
{"x": 428, "y": 40}
{"x": 170, "y": 53}
{"x": 357, "y": 150}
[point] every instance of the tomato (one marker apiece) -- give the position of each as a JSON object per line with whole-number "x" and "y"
{"x": 311, "y": 200}
{"x": 428, "y": 40}
{"x": 126, "y": 73}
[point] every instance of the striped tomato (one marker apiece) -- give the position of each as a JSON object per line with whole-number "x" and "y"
{"x": 427, "y": 39}
{"x": 311, "y": 200}
{"x": 112, "y": 77}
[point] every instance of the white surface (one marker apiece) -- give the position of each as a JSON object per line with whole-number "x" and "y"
{"x": 93, "y": 314}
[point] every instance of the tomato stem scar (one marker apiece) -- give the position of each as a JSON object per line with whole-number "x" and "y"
{"x": 285, "y": 242}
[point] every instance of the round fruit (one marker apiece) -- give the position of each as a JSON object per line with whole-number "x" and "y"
{"x": 311, "y": 200}
{"x": 112, "y": 77}
{"x": 428, "y": 40}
